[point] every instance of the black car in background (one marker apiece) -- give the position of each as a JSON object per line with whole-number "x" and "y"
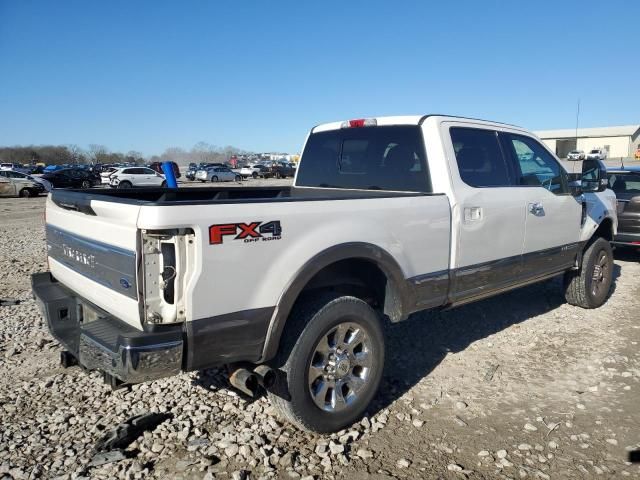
{"x": 72, "y": 178}
{"x": 625, "y": 182}
{"x": 281, "y": 170}
{"x": 157, "y": 166}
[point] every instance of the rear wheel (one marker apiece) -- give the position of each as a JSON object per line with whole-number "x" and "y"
{"x": 589, "y": 286}
{"x": 86, "y": 184}
{"x": 214, "y": 179}
{"x": 331, "y": 363}
{"x": 254, "y": 175}
{"x": 124, "y": 184}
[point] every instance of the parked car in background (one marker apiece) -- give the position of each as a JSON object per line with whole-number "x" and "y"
{"x": 281, "y": 170}
{"x": 255, "y": 171}
{"x": 17, "y": 184}
{"x": 52, "y": 168}
{"x": 136, "y": 177}
{"x": 46, "y": 185}
{"x": 16, "y": 167}
{"x": 105, "y": 175}
{"x": 71, "y": 178}
{"x": 157, "y": 167}
{"x": 597, "y": 154}
{"x": 191, "y": 171}
{"x": 625, "y": 182}
{"x": 218, "y": 174}
{"x": 576, "y": 155}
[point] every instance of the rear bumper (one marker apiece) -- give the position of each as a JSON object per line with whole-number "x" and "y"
{"x": 101, "y": 342}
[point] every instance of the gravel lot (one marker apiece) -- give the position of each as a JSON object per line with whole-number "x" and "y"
{"x": 518, "y": 386}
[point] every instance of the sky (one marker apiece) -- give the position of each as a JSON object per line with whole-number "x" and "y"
{"x": 147, "y": 75}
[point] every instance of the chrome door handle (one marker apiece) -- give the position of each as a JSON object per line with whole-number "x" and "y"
{"x": 536, "y": 209}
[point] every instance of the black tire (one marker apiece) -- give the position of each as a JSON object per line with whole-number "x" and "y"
{"x": 85, "y": 184}
{"x": 589, "y": 287}
{"x": 124, "y": 184}
{"x": 214, "y": 179}
{"x": 26, "y": 193}
{"x": 163, "y": 184}
{"x": 278, "y": 175}
{"x": 310, "y": 321}
{"x": 238, "y": 178}
{"x": 254, "y": 175}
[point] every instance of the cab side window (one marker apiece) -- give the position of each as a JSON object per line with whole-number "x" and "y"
{"x": 535, "y": 166}
{"x": 479, "y": 157}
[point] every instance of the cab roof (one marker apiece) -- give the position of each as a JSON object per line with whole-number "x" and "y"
{"x": 407, "y": 120}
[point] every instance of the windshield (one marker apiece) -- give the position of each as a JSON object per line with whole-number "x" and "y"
{"x": 595, "y": 151}
{"x": 369, "y": 158}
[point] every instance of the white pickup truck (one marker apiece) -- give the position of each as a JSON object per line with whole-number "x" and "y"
{"x": 290, "y": 286}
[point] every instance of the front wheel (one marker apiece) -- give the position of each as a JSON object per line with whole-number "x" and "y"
{"x": 26, "y": 193}
{"x": 330, "y": 363}
{"x": 238, "y": 178}
{"x": 214, "y": 179}
{"x": 86, "y": 184}
{"x": 163, "y": 184}
{"x": 124, "y": 184}
{"x": 589, "y": 286}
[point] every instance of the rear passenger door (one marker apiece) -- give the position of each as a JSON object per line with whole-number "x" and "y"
{"x": 489, "y": 213}
{"x": 553, "y": 214}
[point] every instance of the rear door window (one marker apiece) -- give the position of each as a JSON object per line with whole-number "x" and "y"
{"x": 370, "y": 158}
{"x": 479, "y": 157}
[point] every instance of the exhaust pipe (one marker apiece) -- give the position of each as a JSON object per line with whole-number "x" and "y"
{"x": 244, "y": 380}
{"x": 266, "y": 376}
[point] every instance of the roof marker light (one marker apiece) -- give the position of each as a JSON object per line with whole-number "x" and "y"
{"x": 359, "y": 122}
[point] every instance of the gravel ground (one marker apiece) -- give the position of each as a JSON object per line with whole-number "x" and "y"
{"x": 518, "y": 386}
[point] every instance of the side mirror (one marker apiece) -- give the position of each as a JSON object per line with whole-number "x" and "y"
{"x": 594, "y": 176}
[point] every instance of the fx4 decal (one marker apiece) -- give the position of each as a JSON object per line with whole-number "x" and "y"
{"x": 248, "y": 232}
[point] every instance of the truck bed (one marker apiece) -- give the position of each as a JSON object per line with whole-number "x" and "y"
{"x": 78, "y": 198}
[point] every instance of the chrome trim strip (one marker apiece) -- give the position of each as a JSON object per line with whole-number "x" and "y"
{"x": 108, "y": 265}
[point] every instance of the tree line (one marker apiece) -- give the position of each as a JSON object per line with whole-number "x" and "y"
{"x": 73, "y": 154}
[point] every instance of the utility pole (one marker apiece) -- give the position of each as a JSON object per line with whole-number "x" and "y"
{"x": 577, "y": 119}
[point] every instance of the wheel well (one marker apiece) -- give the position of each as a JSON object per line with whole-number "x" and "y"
{"x": 360, "y": 278}
{"x": 605, "y": 230}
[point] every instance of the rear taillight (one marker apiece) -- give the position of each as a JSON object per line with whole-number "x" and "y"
{"x": 359, "y": 122}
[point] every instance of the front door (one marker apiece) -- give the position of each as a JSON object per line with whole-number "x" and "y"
{"x": 488, "y": 242}
{"x": 553, "y": 214}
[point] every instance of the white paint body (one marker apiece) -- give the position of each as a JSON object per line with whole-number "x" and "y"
{"x": 424, "y": 234}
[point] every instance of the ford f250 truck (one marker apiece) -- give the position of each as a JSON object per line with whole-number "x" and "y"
{"x": 290, "y": 286}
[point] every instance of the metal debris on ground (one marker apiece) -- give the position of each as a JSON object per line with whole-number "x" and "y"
{"x": 124, "y": 434}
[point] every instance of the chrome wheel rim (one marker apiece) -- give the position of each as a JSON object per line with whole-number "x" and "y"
{"x": 340, "y": 366}
{"x": 600, "y": 274}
